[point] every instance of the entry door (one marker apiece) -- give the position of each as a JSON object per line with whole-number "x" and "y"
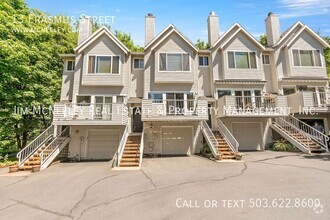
{"x": 136, "y": 118}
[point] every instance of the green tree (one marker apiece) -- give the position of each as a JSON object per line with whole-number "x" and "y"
{"x": 30, "y": 68}
{"x": 202, "y": 45}
{"x": 263, "y": 39}
{"x": 127, "y": 40}
{"x": 327, "y": 55}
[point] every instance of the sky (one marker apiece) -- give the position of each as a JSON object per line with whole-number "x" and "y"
{"x": 190, "y": 16}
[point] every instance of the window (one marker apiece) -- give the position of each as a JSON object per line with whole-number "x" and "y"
{"x": 288, "y": 90}
{"x": 138, "y": 64}
{"x": 242, "y": 60}
{"x": 83, "y": 100}
{"x": 203, "y": 61}
{"x": 174, "y": 62}
{"x": 156, "y": 97}
{"x": 306, "y": 58}
{"x": 103, "y": 64}
{"x": 223, "y": 93}
{"x": 265, "y": 59}
{"x": 70, "y": 65}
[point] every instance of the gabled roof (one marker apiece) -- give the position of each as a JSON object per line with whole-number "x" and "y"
{"x": 170, "y": 29}
{"x": 96, "y": 35}
{"x": 286, "y": 33}
{"x": 311, "y": 32}
{"x": 239, "y": 29}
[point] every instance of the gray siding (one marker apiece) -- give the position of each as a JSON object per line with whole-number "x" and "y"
{"x": 307, "y": 42}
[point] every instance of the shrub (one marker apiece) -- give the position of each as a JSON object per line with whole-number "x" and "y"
{"x": 206, "y": 148}
{"x": 282, "y": 145}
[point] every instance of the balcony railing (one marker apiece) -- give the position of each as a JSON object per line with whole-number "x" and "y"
{"x": 113, "y": 113}
{"x": 309, "y": 102}
{"x": 166, "y": 109}
{"x": 321, "y": 99}
{"x": 253, "y": 106}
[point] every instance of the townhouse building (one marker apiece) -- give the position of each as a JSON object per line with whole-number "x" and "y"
{"x": 173, "y": 98}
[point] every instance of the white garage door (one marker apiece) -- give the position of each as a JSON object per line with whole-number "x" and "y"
{"x": 176, "y": 140}
{"x": 102, "y": 144}
{"x": 248, "y": 135}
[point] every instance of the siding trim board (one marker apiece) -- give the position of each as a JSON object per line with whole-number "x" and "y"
{"x": 98, "y": 34}
{"x": 172, "y": 29}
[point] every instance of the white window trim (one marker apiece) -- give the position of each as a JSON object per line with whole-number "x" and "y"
{"x": 114, "y": 97}
{"x": 139, "y": 67}
{"x": 166, "y": 71}
{"x": 310, "y": 67}
{"x": 208, "y": 57}
{"x": 262, "y": 57}
{"x": 66, "y": 65}
{"x": 246, "y": 51}
{"x": 103, "y": 74}
{"x": 252, "y": 90}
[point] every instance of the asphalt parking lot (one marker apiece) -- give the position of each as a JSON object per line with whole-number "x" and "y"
{"x": 265, "y": 185}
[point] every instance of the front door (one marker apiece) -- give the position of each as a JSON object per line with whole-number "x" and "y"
{"x": 137, "y": 125}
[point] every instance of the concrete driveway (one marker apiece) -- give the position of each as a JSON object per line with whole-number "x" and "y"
{"x": 267, "y": 185}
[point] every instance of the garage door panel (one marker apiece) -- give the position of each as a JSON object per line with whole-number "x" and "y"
{"x": 102, "y": 144}
{"x": 176, "y": 140}
{"x": 248, "y": 135}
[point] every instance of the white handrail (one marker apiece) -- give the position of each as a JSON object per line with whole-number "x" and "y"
{"x": 314, "y": 134}
{"x": 290, "y": 129}
{"x": 50, "y": 148}
{"x": 121, "y": 147}
{"x": 228, "y": 136}
{"x": 141, "y": 148}
{"x": 34, "y": 145}
{"x": 211, "y": 140}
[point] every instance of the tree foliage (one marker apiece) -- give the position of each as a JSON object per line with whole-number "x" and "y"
{"x": 263, "y": 39}
{"x": 202, "y": 45}
{"x": 127, "y": 40}
{"x": 30, "y": 68}
{"x": 327, "y": 55}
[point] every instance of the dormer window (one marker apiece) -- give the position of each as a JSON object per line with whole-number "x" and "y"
{"x": 103, "y": 64}
{"x": 307, "y": 58}
{"x": 242, "y": 60}
{"x": 174, "y": 62}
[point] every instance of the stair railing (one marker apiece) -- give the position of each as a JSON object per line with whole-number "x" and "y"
{"x": 228, "y": 136}
{"x": 141, "y": 148}
{"x": 121, "y": 147}
{"x": 314, "y": 134}
{"x": 291, "y": 130}
{"x": 52, "y": 146}
{"x": 34, "y": 145}
{"x": 210, "y": 139}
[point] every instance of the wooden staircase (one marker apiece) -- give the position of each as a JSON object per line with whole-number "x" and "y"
{"x": 223, "y": 147}
{"x": 131, "y": 154}
{"x": 313, "y": 146}
{"x": 34, "y": 161}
